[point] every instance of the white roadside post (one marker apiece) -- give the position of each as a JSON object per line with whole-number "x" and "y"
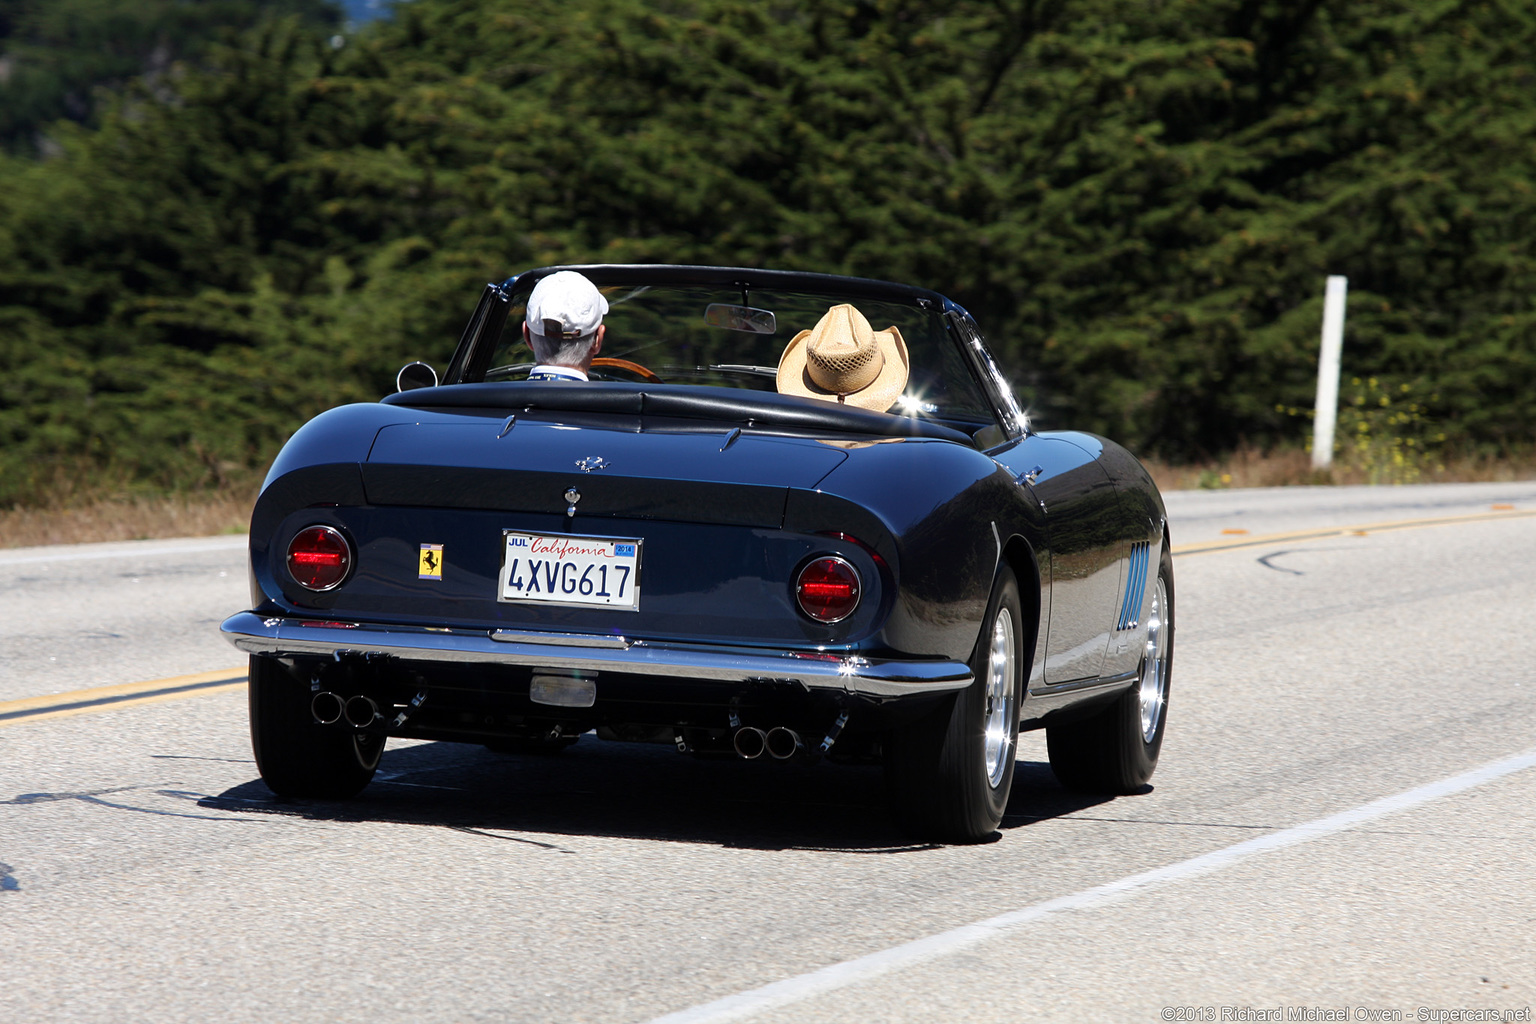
{"x": 1326, "y": 412}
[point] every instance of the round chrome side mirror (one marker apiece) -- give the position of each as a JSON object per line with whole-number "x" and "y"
{"x": 415, "y": 375}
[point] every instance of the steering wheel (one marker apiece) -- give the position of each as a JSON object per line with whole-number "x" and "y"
{"x": 628, "y": 367}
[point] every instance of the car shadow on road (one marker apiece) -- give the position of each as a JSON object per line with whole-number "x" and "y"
{"x": 1037, "y": 796}
{"x": 642, "y": 791}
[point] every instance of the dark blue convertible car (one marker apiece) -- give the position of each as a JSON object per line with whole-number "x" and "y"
{"x": 699, "y": 546}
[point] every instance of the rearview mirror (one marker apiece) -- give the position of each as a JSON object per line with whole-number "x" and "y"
{"x": 740, "y": 318}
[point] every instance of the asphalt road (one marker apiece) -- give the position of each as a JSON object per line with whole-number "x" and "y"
{"x": 1342, "y": 820}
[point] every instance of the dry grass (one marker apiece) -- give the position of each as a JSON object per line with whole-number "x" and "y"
{"x": 131, "y": 518}
{"x": 1246, "y": 467}
{"x": 79, "y": 520}
{"x": 1249, "y": 467}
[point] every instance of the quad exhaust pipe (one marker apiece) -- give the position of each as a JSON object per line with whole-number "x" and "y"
{"x": 331, "y": 708}
{"x": 327, "y": 708}
{"x": 784, "y": 743}
{"x": 780, "y": 743}
{"x": 361, "y": 712}
{"x": 750, "y": 742}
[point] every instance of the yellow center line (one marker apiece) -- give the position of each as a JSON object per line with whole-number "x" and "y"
{"x": 1229, "y": 543}
{"x": 106, "y": 698}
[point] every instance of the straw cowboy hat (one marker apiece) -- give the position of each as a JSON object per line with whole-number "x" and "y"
{"x": 843, "y": 360}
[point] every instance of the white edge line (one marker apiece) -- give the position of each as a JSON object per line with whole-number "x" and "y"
{"x": 234, "y": 543}
{"x": 864, "y": 968}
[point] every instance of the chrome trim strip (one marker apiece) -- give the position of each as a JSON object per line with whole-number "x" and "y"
{"x": 1080, "y": 685}
{"x": 513, "y": 636}
{"x": 850, "y": 674}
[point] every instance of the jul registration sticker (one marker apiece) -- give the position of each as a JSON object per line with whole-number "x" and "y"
{"x": 601, "y": 572}
{"x": 430, "y": 566}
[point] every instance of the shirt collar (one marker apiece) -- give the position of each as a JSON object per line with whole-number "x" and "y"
{"x": 560, "y": 372}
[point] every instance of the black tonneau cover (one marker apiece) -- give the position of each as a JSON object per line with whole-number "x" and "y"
{"x": 728, "y": 406}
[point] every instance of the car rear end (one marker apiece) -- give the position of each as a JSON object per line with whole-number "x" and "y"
{"x": 510, "y": 576}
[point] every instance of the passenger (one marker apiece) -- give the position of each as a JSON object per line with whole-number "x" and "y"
{"x": 564, "y": 326}
{"x": 842, "y": 359}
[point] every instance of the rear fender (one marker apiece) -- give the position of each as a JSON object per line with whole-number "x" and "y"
{"x": 938, "y": 513}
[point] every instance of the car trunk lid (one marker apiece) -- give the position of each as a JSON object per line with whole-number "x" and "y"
{"x": 634, "y": 470}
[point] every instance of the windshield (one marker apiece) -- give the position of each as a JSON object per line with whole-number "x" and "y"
{"x": 729, "y": 337}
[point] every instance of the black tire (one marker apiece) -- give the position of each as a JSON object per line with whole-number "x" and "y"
{"x": 1116, "y": 750}
{"x": 296, "y": 756}
{"x": 946, "y": 781}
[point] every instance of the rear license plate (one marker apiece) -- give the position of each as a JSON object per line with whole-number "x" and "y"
{"x": 602, "y": 572}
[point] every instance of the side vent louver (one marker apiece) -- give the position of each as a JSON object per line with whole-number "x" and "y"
{"x": 1135, "y": 587}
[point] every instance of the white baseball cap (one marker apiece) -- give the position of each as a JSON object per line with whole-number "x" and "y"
{"x": 565, "y": 306}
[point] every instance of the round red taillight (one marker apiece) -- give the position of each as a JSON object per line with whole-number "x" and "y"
{"x": 827, "y": 589}
{"x": 319, "y": 558}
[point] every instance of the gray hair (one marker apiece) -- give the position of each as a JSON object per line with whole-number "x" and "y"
{"x": 559, "y": 352}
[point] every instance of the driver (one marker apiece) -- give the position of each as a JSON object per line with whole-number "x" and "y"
{"x": 564, "y": 326}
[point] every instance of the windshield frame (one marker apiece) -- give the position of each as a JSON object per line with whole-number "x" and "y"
{"x": 483, "y": 336}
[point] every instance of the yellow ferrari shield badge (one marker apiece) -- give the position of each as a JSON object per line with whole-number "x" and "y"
{"x": 431, "y": 565}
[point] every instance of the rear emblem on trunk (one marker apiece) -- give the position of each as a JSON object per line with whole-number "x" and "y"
{"x": 590, "y": 463}
{"x": 430, "y": 567}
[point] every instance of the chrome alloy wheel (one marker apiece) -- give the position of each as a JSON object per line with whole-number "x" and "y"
{"x": 1154, "y": 665}
{"x": 1000, "y": 711}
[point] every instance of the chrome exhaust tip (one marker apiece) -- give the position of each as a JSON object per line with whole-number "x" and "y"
{"x": 784, "y": 743}
{"x": 361, "y": 712}
{"x": 326, "y": 707}
{"x": 750, "y": 742}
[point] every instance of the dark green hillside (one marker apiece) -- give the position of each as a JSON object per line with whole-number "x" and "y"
{"x": 1139, "y": 198}
{"x": 60, "y": 56}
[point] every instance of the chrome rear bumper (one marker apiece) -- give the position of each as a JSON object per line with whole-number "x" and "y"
{"x": 866, "y": 677}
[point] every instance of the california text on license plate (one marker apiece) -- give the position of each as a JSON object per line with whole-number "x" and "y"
{"x": 565, "y": 570}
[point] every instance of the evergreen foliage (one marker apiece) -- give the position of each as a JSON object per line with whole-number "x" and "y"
{"x": 1139, "y": 199}
{"x": 57, "y": 54}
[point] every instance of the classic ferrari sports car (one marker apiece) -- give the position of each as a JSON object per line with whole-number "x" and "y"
{"x": 786, "y": 516}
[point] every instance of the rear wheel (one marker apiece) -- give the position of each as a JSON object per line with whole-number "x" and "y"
{"x": 297, "y": 756}
{"x": 1116, "y": 750}
{"x": 950, "y": 772}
